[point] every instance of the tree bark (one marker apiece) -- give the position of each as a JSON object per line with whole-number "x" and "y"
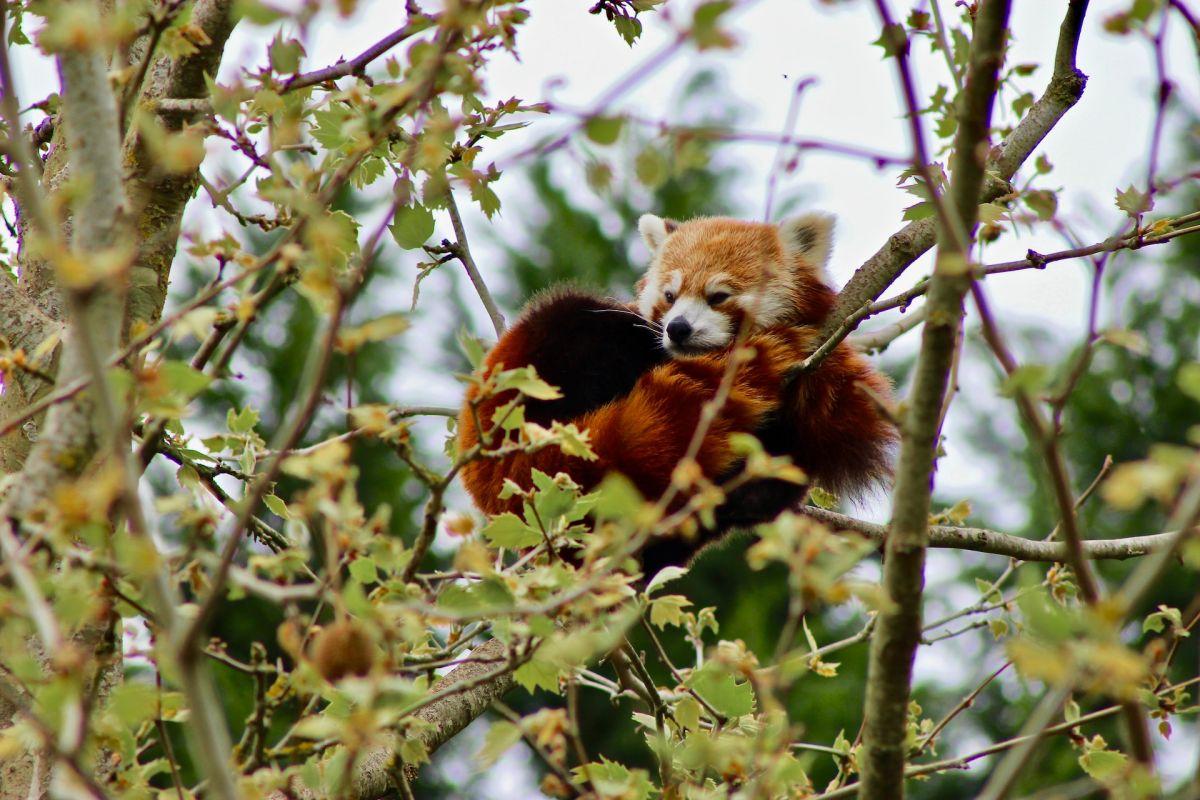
{"x": 143, "y": 209}
{"x": 898, "y": 627}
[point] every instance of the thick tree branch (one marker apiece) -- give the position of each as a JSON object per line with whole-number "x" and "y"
{"x": 23, "y": 326}
{"x": 22, "y": 322}
{"x": 982, "y": 540}
{"x": 898, "y": 629}
{"x": 71, "y": 434}
{"x": 70, "y": 437}
{"x": 157, "y": 197}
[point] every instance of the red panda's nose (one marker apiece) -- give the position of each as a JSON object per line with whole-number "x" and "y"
{"x": 678, "y": 330}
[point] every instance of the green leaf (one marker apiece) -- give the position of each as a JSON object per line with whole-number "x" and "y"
{"x": 613, "y": 780}
{"x": 1164, "y": 617}
{"x": 893, "y": 40}
{"x": 1134, "y": 202}
{"x": 991, "y": 212}
{"x": 555, "y": 497}
{"x": 499, "y": 738}
{"x": 243, "y": 421}
{"x": 651, "y": 167}
{"x": 1042, "y": 202}
{"x": 412, "y": 226}
{"x": 257, "y": 13}
{"x": 364, "y": 570}
{"x": 536, "y": 674}
{"x": 484, "y": 597}
{"x": 617, "y": 498}
{"x": 687, "y": 713}
{"x": 722, "y": 692}
{"x": 706, "y": 21}
{"x": 1103, "y": 764}
{"x": 487, "y": 200}
{"x": 508, "y": 530}
{"x": 1132, "y": 341}
{"x": 182, "y": 379}
{"x": 471, "y": 346}
{"x": 1026, "y": 379}
{"x": 134, "y": 703}
{"x": 1046, "y": 618}
{"x": 1022, "y": 104}
{"x": 1189, "y": 380}
{"x": 330, "y": 128}
{"x": 603, "y": 130}
{"x": 571, "y": 440}
{"x": 526, "y": 381}
{"x": 285, "y": 55}
{"x": 630, "y": 28}
{"x": 663, "y": 577}
{"x": 918, "y": 211}
{"x": 380, "y": 329}
{"x": 822, "y": 498}
{"x": 277, "y": 506}
{"x": 668, "y": 610}
{"x": 599, "y": 176}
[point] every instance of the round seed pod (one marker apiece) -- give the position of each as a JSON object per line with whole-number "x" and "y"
{"x": 344, "y": 648}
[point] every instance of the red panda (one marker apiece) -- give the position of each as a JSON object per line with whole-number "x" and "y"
{"x": 637, "y": 380}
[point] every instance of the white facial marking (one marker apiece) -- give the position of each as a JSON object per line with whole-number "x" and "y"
{"x": 650, "y": 292}
{"x": 718, "y": 283}
{"x": 657, "y": 283}
{"x": 674, "y": 281}
{"x": 710, "y": 328}
{"x": 767, "y": 308}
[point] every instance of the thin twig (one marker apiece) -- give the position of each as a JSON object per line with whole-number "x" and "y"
{"x": 463, "y": 252}
{"x": 358, "y": 65}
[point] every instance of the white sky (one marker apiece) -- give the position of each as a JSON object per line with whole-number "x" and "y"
{"x": 572, "y": 57}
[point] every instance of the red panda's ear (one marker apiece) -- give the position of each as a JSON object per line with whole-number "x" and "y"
{"x": 655, "y": 230}
{"x": 808, "y": 236}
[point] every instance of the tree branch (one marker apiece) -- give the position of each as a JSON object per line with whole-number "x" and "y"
{"x": 982, "y": 540}
{"x": 463, "y": 252}
{"x": 898, "y": 630}
{"x": 358, "y": 65}
{"x": 157, "y": 197}
{"x": 70, "y": 438}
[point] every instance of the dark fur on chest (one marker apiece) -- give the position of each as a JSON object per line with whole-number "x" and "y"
{"x": 593, "y": 349}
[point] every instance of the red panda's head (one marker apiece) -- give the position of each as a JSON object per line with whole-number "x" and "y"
{"x": 709, "y": 274}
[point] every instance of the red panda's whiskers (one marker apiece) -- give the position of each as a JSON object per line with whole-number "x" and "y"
{"x": 649, "y": 325}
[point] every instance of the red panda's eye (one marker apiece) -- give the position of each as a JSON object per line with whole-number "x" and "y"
{"x": 669, "y": 296}
{"x": 716, "y": 298}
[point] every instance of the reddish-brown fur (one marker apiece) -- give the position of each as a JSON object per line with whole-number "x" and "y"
{"x": 641, "y": 411}
{"x": 830, "y": 428}
{"x": 645, "y": 433}
{"x": 753, "y": 257}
